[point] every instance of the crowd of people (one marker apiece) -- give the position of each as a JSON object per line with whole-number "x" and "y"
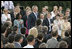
{"x": 29, "y": 28}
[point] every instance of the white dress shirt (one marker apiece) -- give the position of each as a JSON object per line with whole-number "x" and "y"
{"x": 4, "y": 18}
{"x": 49, "y": 24}
{"x": 28, "y": 46}
{"x": 35, "y": 14}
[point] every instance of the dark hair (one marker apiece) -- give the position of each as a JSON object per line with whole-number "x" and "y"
{"x": 40, "y": 36}
{"x": 18, "y": 37}
{"x": 54, "y": 33}
{"x": 3, "y": 28}
{"x": 30, "y": 38}
{"x": 10, "y": 38}
{"x": 9, "y": 30}
{"x": 15, "y": 28}
{"x": 67, "y": 33}
{"x": 18, "y": 15}
{"x": 62, "y": 44}
{"x": 49, "y": 13}
{"x": 23, "y": 30}
{"x": 38, "y": 22}
{"x": 6, "y": 24}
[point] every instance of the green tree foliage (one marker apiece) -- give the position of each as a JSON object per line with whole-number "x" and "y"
{"x": 40, "y": 4}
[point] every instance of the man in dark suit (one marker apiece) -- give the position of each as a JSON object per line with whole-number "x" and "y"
{"x": 48, "y": 22}
{"x": 33, "y": 17}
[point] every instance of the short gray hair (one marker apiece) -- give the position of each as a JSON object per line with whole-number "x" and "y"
{"x": 34, "y": 7}
{"x": 43, "y": 45}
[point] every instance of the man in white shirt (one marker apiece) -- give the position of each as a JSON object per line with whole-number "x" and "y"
{"x": 31, "y": 42}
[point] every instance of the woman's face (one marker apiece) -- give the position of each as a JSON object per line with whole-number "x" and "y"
{"x": 57, "y": 17}
{"x": 42, "y": 16}
{"x": 20, "y": 17}
{"x": 6, "y": 11}
{"x": 66, "y": 20}
{"x": 61, "y": 17}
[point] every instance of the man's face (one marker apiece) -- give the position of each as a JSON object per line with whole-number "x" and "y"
{"x": 35, "y": 9}
{"x": 60, "y": 8}
{"x": 44, "y": 9}
{"x": 48, "y": 15}
{"x": 21, "y": 40}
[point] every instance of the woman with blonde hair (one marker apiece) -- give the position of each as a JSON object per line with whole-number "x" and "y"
{"x": 66, "y": 26}
{"x": 33, "y": 31}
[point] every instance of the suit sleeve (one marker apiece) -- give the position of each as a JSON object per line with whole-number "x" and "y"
{"x": 44, "y": 23}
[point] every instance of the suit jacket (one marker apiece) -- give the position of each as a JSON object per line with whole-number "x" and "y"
{"x": 32, "y": 20}
{"x": 17, "y": 45}
{"x": 52, "y": 43}
{"x": 46, "y": 23}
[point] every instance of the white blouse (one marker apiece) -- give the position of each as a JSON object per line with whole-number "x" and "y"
{"x": 5, "y": 17}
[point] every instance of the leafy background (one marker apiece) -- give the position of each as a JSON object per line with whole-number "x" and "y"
{"x": 40, "y": 4}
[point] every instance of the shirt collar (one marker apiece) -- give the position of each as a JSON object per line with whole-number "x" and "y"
{"x": 54, "y": 38}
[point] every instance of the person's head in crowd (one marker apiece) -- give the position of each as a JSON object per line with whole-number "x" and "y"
{"x": 11, "y": 38}
{"x": 67, "y": 33}
{"x": 38, "y": 22}
{"x": 3, "y": 30}
{"x": 33, "y": 31}
{"x": 15, "y": 29}
{"x": 28, "y": 12}
{"x": 54, "y": 33}
{"x": 60, "y": 8}
{"x": 18, "y": 38}
{"x": 62, "y": 44}
{"x": 31, "y": 39}
{"x": 9, "y": 45}
{"x": 68, "y": 10}
{"x": 18, "y": 16}
{"x": 7, "y": 24}
{"x": 41, "y": 16}
{"x": 43, "y": 45}
{"x": 55, "y": 8}
{"x": 18, "y": 5}
{"x": 9, "y": 30}
{"x": 17, "y": 9}
{"x": 65, "y": 19}
{"x": 40, "y": 37}
{"x": 45, "y": 29}
{"x": 1, "y": 44}
{"x": 23, "y": 30}
{"x": 28, "y": 8}
{"x": 67, "y": 13}
{"x": 8, "y": 20}
{"x": 43, "y": 9}
{"x": 34, "y": 8}
{"x": 61, "y": 16}
{"x": 46, "y": 7}
{"x": 5, "y": 11}
{"x": 57, "y": 17}
{"x": 49, "y": 15}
